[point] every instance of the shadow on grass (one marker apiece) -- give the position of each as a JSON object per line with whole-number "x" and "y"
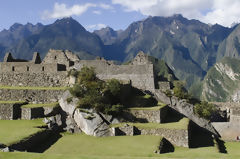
{"x": 46, "y": 144}
{"x": 220, "y": 145}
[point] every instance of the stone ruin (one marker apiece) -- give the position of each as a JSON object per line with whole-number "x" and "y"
{"x": 229, "y": 129}
{"x": 52, "y": 72}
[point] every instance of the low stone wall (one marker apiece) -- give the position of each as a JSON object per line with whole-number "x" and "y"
{"x": 31, "y": 113}
{"x": 177, "y": 137}
{"x": 147, "y": 116}
{"x": 44, "y": 96}
{"x": 34, "y": 79}
{"x": 10, "y": 111}
{"x": 39, "y": 112}
{"x": 227, "y": 130}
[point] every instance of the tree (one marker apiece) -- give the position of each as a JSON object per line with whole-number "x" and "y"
{"x": 204, "y": 109}
{"x": 95, "y": 93}
{"x": 179, "y": 90}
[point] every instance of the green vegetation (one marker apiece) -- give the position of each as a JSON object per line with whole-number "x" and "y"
{"x": 109, "y": 97}
{"x": 182, "y": 124}
{"x": 78, "y": 146}
{"x": 55, "y": 104}
{"x": 97, "y": 94}
{"x": 179, "y": 90}
{"x": 13, "y": 131}
{"x": 11, "y": 102}
{"x": 106, "y": 146}
{"x": 33, "y": 88}
{"x": 222, "y": 80}
{"x": 149, "y": 108}
{"x": 204, "y": 109}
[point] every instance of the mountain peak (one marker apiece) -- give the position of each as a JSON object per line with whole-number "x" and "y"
{"x": 15, "y": 26}
{"x": 69, "y": 22}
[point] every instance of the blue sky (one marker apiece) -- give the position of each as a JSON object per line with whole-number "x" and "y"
{"x": 118, "y": 14}
{"x": 23, "y": 11}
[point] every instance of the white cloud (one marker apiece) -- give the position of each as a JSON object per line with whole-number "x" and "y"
{"x": 96, "y": 26}
{"x": 223, "y": 12}
{"x": 105, "y": 6}
{"x": 61, "y": 10}
{"x": 97, "y": 12}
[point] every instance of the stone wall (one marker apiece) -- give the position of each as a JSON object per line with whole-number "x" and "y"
{"x": 177, "y": 137}
{"x": 140, "y": 76}
{"x": 144, "y": 115}
{"x": 10, "y": 111}
{"x": 43, "y": 96}
{"x": 34, "y": 79}
{"x": 31, "y": 113}
{"x": 163, "y": 86}
{"x": 27, "y": 67}
{"x": 38, "y": 112}
{"x": 228, "y": 131}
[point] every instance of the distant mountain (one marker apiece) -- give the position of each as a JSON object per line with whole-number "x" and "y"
{"x": 16, "y": 33}
{"x": 230, "y": 47}
{"x": 222, "y": 81}
{"x": 108, "y": 35}
{"x": 189, "y": 47}
{"x": 62, "y": 34}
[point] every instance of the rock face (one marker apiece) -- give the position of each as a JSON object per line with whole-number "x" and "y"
{"x": 221, "y": 83}
{"x": 90, "y": 122}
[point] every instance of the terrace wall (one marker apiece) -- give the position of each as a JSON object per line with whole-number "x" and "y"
{"x": 39, "y": 96}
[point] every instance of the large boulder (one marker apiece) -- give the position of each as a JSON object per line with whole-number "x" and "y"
{"x": 92, "y": 123}
{"x": 88, "y": 120}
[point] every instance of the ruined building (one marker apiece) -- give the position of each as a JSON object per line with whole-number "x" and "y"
{"x": 52, "y": 70}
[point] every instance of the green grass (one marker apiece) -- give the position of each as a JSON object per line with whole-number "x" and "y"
{"x": 181, "y": 125}
{"x": 12, "y": 131}
{"x": 105, "y": 146}
{"x": 33, "y": 88}
{"x": 11, "y": 102}
{"x": 78, "y": 146}
{"x": 55, "y": 104}
{"x": 148, "y": 108}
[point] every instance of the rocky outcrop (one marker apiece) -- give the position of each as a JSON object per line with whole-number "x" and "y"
{"x": 89, "y": 121}
{"x": 185, "y": 108}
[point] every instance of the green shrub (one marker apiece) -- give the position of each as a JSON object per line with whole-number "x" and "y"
{"x": 204, "y": 109}
{"x": 168, "y": 93}
{"x": 179, "y": 90}
{"x": 69, "y": 100}
{"x": 73, "y": 72}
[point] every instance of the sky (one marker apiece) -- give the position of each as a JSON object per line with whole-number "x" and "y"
{"x": 118, "y": 14}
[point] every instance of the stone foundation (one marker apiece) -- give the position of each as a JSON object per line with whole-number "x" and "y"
{"x": 43, "y": 96}
{"x": 10, "y": 111}
{"x": 177, "y": 137}
{"x": 39, "y": 112}
{"x": 34, "y": 79}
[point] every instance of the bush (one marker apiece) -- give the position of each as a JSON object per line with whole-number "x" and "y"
{"x": 69, "y": 100}
{"x": 73, "y": 72}
{"x": 96, "y": 94}
{"x": 86, "y": 75}
{"x": 204, "y": 109}
{"x": 179, "y": 90}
